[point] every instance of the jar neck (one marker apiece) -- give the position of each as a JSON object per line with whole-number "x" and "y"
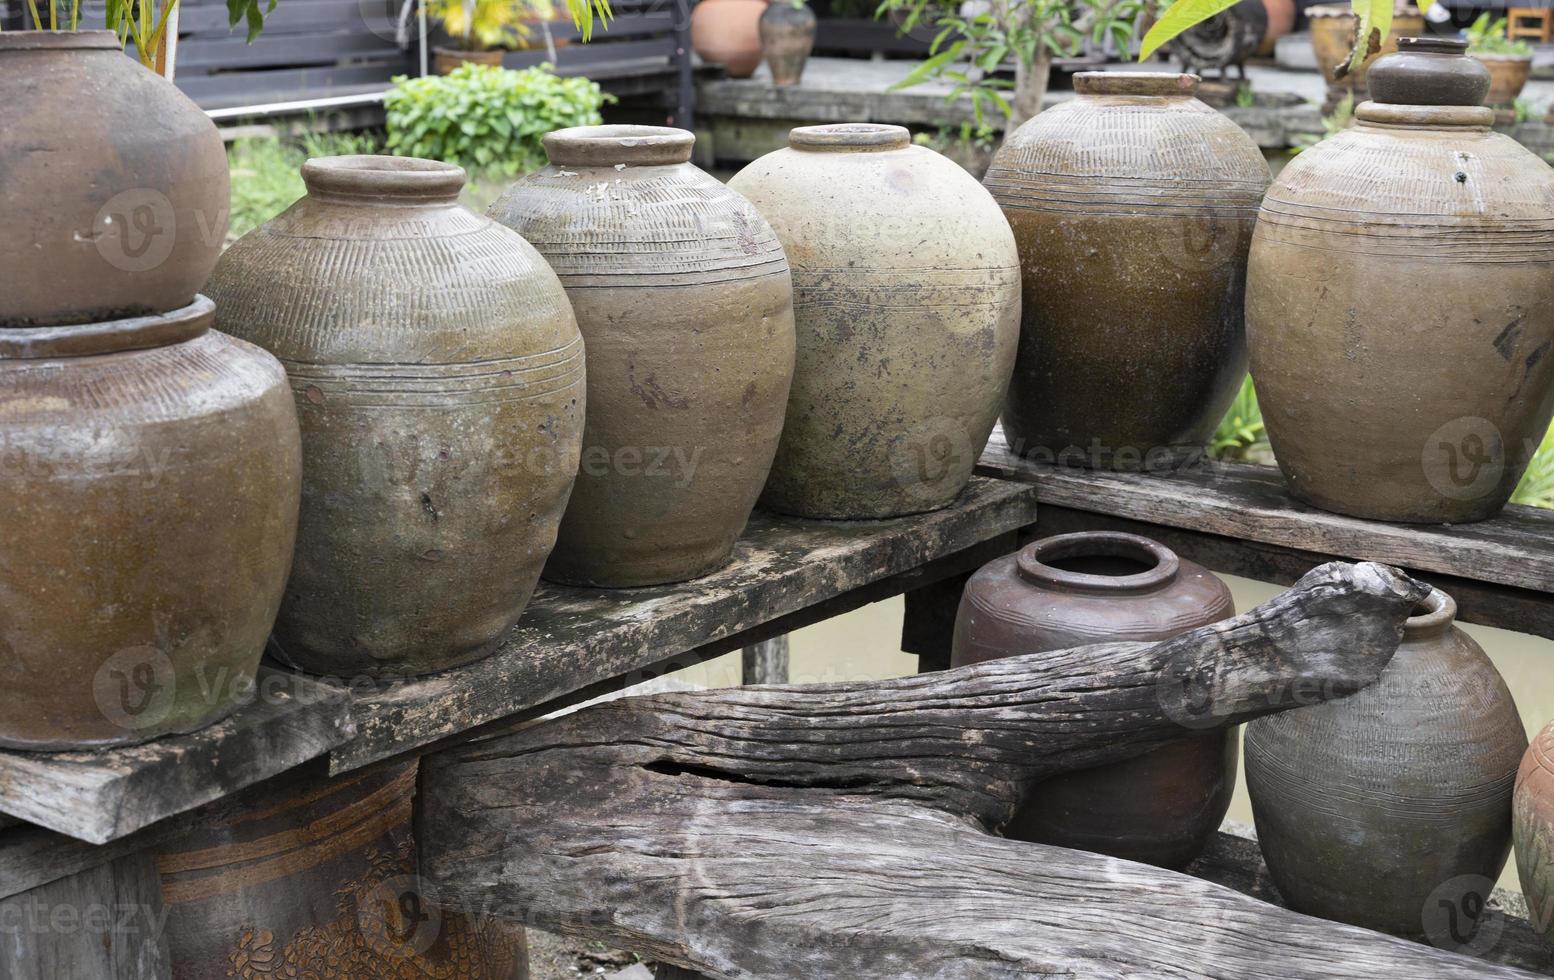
{"x": 1432, "y": 617}
{"x": 849, "y": 138}
{"x": 108, "y": 336}
{"x": 1098, "y": 562}
{"x": 1386, "y": 115}
{"x": 608, "y": 146}
{"x": 407, "y": 181}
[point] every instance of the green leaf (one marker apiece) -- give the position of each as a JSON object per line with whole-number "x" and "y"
{"x": 929, "y": 67}
{"x": 1184, "y": 14}
{"x": 1375, "y": 22}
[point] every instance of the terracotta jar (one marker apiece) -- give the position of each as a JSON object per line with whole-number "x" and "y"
{"x": 1074, "y": 590}
{"x": 438, "y": 374}
{"x": 1532, "y": 824}
{"x": 1508, "y": 75}
{"x": 728, "y": 33}
{"x": 1372, "y": 806}
{"x": 315, "y": 878}
{"x": 907, "y": 300}
{"x": 150, "y": 469}
{"x": 1384, "y": 400}
{"x": 684, "y": 295}
{"x": 1132, "y": 206}
{"x": 1281, "y": 20}
{"x": 787, "y": 30}
{"x": 104, "y": 218}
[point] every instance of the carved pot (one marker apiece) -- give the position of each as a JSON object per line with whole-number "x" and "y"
{"x": 684, "y": 295}
{"x": 438, "y": 374}
{"x": 1532, "y": 823}
{"x": 907, "y": 301}
{"x": 728, "y": 33}
{"x": 151, "y": 474}
{"x": 316, "y": 878}
{"x": 1381, "y": 400}
{"x": 1333, "y": 27}
{"x": 1074, "y": 590}
{"x": 1508, "y": 75}
{"x": 105, "y": 218}
{"x": 1132, "y": 206}
{"x": 1373, "y": 808}
{"x": 787, "y": 29}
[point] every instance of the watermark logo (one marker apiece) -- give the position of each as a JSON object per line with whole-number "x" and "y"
{"x": 1464, "y": 459}
{"x": 397, "y": 920}
{"x": 930, "y": 456}
{"x": 1458, "y": 917}
{"x": 135, "y": 688}
{"x": 135, "y": 230}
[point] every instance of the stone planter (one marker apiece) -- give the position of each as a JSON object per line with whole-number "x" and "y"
{"x": 438, "y": 374}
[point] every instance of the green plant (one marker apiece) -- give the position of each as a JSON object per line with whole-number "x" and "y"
{"x": 1487, "y": 36}
{"x": 1245, "y": 97}
{"x": 1537, "y": 486}
{"x": 1241, "y": 432}
{"x": 487, "y": 24}
{"x": 143, "y": 22}
{"x": 967, "y": 137}
{"x": 1524, "y": 111}
{"x": 975, "y": 40}
{"x": 266, "y": 173}
{"x": 1375, "y": 20}
{"x": 486, "y": 118}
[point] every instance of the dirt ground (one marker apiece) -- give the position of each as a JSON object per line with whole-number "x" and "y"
{"x": 554, "y": 958}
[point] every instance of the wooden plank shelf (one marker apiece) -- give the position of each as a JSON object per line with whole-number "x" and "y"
{"x": 103, "y": 796}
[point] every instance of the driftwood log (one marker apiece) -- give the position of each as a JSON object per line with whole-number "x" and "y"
{"x": 845, "y": 830}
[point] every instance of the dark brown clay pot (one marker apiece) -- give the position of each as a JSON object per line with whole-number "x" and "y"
{"x": 685, "y": 298}
{"x": 1532, "y": 824}
{"x": 787, "y": 37}
{"x": 907, "y": 301}
{"x": 1384, "y": 400}
{"x": 315, "y": 878}
{"x": 150, "y": 469}
{"x": 1373, "y": 808}
{"x": 728, "y": 33}
{"x": 1133, "y": 207}
{"x": 1074, "y": 590}
{"x": 445, "y": 60}
{"x": 438, "y": 374}
{"x": 115, "y": 184}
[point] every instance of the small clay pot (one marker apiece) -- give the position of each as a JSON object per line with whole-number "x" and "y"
{"x": 1074, "y": 590}
{"x": 728, "y": 33}
{"x": 1429, "y": 71}
{"x": 907, "y": 303}
{"x": 115, "y": 183}
{"x": 312, "y": 877}
{"x": 685, "y": 298}
{"x": 445, "y": 60}
{"x": 1508, "y": 75}
{"x": 1132, "y": 206}
{"x": 1373, "y": 808}
{"x": 1532, "y": 823}
{"x": 439, "y": 378}
{"x": 787, "y": 37}
{"x": 151, "y": 474}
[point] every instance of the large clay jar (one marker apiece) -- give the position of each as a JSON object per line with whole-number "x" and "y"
{"x": 906, "y": 290}
{"x": 150, "y": 470}
{"x": 787, "y": 37}
{"x": 1133, "y": 207}
{"x": 1074, "y": 590}
{"x": 438, "y": 374}
{"x": 1385, "y": 400}
{"x": 1532, "y": 824}
{"x": 312, "y": 878}
{"x": 728, "y": 33}
{"x": 122, "y": 211}
{"x": 684, "y": 295}
{"x": 1372, "y": 808}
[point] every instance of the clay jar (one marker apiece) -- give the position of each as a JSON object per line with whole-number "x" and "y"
{"x": 728, "y": 33}
{"x": 1532, "y": 823}
{"x": 1074, "y": 590}
{"x": 684, "y": 295}
{"x": 787, "y": 30}
{"x": 907, "y": 299}
{"x": 307, "y": 877}
{"x": 121, "y": 212}
{"x": 151, "y": 474}
{"x": 438, "y": 374}
{"x": 1133, "y": 207}
{"x": 1383, "y": 399}
{"x": 1373, "y": 808}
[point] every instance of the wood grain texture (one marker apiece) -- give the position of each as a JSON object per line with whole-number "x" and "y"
{"x": 842, "y": 830}
{"x": 104, "y": 923}
{"x": 1249, "y": 503}
{"x": 102, "y": 796}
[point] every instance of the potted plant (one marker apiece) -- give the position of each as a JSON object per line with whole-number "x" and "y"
{"x": 1509, "y": 62}
{"x": 123, "y": 211}
{"x": 482, "y": 30}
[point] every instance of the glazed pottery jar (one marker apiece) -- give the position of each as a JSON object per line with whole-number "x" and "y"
{"x": 1384, "y": 400}
{"x": 1074, "y": 590}
{"x": 438, "y": 374}
{"x": 1132, "y": 206}
{"x": 728, "y": 33}
{"x": 1532, "y": 824}
{"x": 1373, "y": 807}
{"x": 150, "y": 469}
{"x": 120, "y": 213}
{"x": 684, "y": 296}
{"x": 312, "y": 878}
{"x": 787, "y": 37}
{"x": 906, "y": 291}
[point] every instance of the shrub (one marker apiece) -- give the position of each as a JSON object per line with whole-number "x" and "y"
{"x": 485, "y": 118}
{"x": 267, "y": 173}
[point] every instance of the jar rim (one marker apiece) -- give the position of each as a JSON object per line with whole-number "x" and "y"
{"x": 1035, "y": 562}
{"x": 1145, "y": 83}
{"x": 606, "y": 146}
{"x": 108, "y": 336}
{"x": 850, "y": 136}
{"x": 382, "y": 178}
{"x": 1425, "y": 116}
{"x": 1434, "y": 614}
{"x": 59, "y": 41}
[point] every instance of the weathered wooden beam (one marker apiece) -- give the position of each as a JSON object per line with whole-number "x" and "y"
{"x": 842, "y": 830}
{"x": 765, "y": 662}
